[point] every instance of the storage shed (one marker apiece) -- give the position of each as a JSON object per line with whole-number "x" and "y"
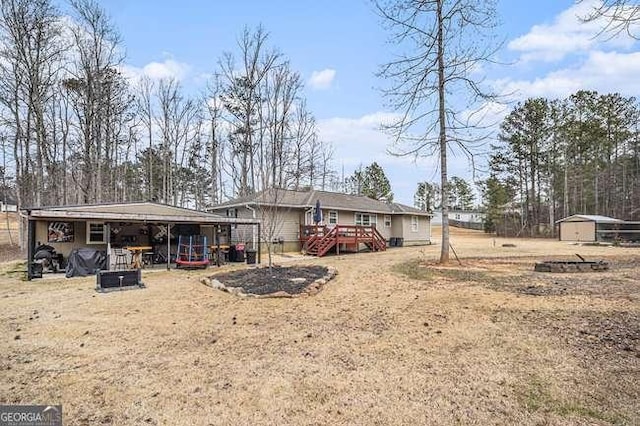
{"x": 581, "y": 227}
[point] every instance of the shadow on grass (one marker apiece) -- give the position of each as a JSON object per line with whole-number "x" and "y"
{"x": 420, "y": 270}
{"x": 17, "y": 270}
{"x": 536, "y": 397}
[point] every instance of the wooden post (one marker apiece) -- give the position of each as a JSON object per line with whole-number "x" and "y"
{"x": 168, "y": 246}
{"x": 31, "y": 245}
{"x": 259, "y": 251}
{"x": 218, "y": 252}
{"x": 108, "y": 231}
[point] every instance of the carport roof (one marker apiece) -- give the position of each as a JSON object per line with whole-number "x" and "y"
{"x": 133, "y": 212}
{"x": 589, "y": 218}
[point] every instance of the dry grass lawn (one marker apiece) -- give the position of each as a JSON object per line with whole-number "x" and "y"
{"x": 389, "y": 341}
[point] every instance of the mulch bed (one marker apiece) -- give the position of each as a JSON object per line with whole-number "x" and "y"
{"x": 277, "y": 281}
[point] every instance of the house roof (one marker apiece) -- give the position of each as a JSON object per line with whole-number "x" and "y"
{"x": 589, "y": 218}
{"x": 137, "y": 212}
{"x": 474, "y": 211}
{"x": 328, "y": 201}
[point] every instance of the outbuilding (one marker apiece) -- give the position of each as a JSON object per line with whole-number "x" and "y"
{"x": 580, "y": 227}
{"x": 106, "y": 227}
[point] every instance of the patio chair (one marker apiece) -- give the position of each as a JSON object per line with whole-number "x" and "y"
{"x": 122, "y": 259}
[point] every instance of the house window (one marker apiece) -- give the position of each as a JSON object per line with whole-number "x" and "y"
{"x": 457, "y": 216}
{"x": 387, "y": 221}
{"x": 365, "y": 219}
{"x": 414, "y": 223}
{"x": 96, "y": 233}
{"x": 233, "y": 213}
{"x": 333, "y": 217}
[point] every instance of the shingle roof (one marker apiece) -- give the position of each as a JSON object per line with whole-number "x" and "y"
{"x": 137, "y": 211}
{"x": 328, "y": 200}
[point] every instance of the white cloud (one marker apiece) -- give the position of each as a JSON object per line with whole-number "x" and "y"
{"x": 321, "y": 80}
{"x": 360, "y": 141}
{"x": 354, "y": 137}
{"x": 567, "y": 34}
{"x": 169, "y": 68}
{"x": 602, "y": 71}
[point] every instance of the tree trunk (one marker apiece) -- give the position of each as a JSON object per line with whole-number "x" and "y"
{"x": 444, "y": 249}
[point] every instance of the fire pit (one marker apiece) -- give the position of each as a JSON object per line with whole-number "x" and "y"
{"x": 581, "y": 265}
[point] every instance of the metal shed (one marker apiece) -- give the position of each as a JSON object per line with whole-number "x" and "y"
{"x": 579, "y": 227}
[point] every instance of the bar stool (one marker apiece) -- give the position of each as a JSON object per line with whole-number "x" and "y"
{"x": 122, "y": 259}
{"x": 147, "y": 258}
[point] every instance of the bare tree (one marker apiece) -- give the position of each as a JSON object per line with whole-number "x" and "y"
{"x": 30, "y": 62}
{"x": 96, "y": 87}
{"x": 327, "y": 173}
{"x": 304, "y": 143}
{"x": 215, "y": 108}
{"x": 244, "y": 103}
{"x": 146, "y": 114}
{"x": 447, "y": 40}
{"x": 617, "y": 16}
{"x": 178, "y": 116}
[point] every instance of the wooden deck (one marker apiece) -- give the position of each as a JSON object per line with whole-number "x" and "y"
{"x": 319, "y": 240}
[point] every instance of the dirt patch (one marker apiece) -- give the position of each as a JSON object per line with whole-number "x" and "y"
{"x": 279, "y": 281}
{"x": 516, "y": 275}
{"x": 618, "y": 283}
{"x": 605, "y": 337}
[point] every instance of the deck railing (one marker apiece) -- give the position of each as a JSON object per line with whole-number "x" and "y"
{"x": 318, "y": 239}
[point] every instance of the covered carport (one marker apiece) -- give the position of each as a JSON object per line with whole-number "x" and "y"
{"x": 106, "y": 226}
{"x": 586, "y": 228}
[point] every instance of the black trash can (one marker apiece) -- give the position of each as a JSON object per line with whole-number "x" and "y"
{"x": 236, "y": 253}
{"x": 393, "y": 241}
{"x": 399, "y": 242}
{"x": 36, "y": 270}
{"x": 251, "y": 256}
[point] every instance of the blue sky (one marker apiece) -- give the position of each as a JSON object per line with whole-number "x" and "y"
{"x": 337, "y": 46}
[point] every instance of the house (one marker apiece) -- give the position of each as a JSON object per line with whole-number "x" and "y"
{"x": 8, "y": 205}
{"x": 580, "y": 227}
{"x": 470, "y": 218}
{"x": 290, "y": 215}
{"x": 105, "y": 227}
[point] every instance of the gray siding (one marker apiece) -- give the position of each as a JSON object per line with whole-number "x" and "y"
{"x": 290, "y": 220}
{"x": 421, "y": 236}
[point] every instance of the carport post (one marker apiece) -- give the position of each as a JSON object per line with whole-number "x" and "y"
{"x": 168, "y": 246}
{"x": 108, "y": 231}
{"x": 259, "y": 243}
{"x": 31, "y": 243}
{"x": 218, "y": 252}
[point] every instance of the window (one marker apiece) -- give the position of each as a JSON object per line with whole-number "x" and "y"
{"x": 96, "y": 233}
{"x": 233, "y": 213}
{"x": 414, "y": 223}
{"x": 365, "y": 219}
{"x": 333, "y": 217}
{"x": 457, "y": 216}
{"x": 387, "y": 221}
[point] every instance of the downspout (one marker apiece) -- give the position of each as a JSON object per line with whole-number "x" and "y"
{"x": 253, "y": 229}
